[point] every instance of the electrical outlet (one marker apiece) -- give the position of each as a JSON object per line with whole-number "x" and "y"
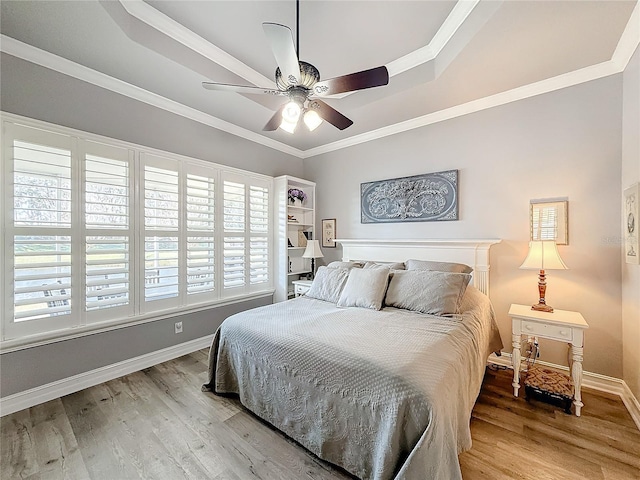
{"x": 178, "y": 327}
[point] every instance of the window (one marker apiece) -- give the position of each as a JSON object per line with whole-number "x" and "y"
{"x": 161, "y": 229}
{"x": 201, "y": 230}
{"x": 246, "y": 234}
{"x": 102, "y": 232}
{"x": 39, "y": 234}
{"x": 107, "y": 224}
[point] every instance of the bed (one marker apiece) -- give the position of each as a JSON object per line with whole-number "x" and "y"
{"x": 383, "y": 393}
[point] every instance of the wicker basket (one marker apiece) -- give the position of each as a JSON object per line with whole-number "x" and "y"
{"x": 549, "y": 386}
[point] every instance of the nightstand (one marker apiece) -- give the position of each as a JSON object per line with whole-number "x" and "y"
{"x": 561, "y": 325}
{"x": 300, "y": 287}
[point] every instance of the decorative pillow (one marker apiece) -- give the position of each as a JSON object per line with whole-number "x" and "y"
{"x": 338, "y": 264}
{"x": 365, "y": 288}
{"x": 328, "y": 284}
{"x": 413, "y": 264}
{"x": 391, "y": 265}
{"x": 427, "y": 291}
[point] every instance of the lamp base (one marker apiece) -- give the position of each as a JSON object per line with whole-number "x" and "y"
{"x": 542, "y": 307}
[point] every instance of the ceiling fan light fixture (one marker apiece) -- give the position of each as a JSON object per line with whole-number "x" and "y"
{"x": 312, "y": 120}
{"x": 287, "y": 126}
{"x": 291, "y": 112}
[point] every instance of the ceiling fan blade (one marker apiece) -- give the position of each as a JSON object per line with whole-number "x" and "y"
{"x": 374, "y": 77}
{"x": 242, "y": 89}
{"x": 284, "y": 50}
{"x": 275, "y": 121}
{"x": 330, "y": 114}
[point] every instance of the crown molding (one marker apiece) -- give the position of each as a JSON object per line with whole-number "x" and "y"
{"x": 48, "y": 60}
{"x": 169, "y": 27}
{"x": 449, "y": 27}
{"x": 520, "y": 93}
{"x": 627, "y": 45}
{"x": 629, "y": 40}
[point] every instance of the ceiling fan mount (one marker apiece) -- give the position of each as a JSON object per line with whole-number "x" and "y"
{"x": 300, "y": 82}
{"x": 309, "y": 76}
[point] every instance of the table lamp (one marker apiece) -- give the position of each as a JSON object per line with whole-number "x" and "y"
{"x": 543, "y": 255}
{"x": 313, "y": 251}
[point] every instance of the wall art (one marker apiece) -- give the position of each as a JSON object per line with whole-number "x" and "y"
{"x": 630, "y": 222}
{"x": 420, "y": 198}
{"x": 329, "y": 232}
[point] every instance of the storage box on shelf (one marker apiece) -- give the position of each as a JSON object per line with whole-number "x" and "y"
{"x": 296, "y": 225}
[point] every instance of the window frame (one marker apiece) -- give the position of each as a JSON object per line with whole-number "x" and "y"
{"x": 138, "y": 311}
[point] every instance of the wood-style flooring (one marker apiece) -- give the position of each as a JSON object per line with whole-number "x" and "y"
{"x": 157, "y": 424}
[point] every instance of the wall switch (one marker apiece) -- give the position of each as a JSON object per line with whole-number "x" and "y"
{"x": 178, "y": 327}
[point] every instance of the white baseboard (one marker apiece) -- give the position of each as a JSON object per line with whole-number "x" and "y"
{"x": 596, "y": 381}
{"x": 44, "y": 393}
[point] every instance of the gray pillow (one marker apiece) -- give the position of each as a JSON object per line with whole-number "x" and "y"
{"x": 426, "y": 291}
{"x": 338, "y": 264}
{"x": 391, "y": 265}
{"x": 328, "y": 284}
{"x": 413, "y": 264}
{"x": 365, "y": 288}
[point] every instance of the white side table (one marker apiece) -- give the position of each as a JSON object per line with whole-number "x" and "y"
{"x": 560, "y": 325}
{"x": 300, "y": 287}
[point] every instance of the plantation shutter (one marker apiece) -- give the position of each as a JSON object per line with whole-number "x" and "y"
{"x": 259, "y": 230}
{"x": 161, "y": 226}
{"x": 234, "y": 243}
{"x": 40, "y": 229}
{"x": 108, "y": 232}
{"x": 200, "y": 215}
{"x": 246, "y": 236}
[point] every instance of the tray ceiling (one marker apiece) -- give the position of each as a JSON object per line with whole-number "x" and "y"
{"x": 445, "y": 58}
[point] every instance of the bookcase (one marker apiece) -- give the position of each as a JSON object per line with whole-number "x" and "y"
{"x": 295, "y": 226}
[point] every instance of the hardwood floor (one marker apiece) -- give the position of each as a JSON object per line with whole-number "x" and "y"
{"x": 157, "y": 424}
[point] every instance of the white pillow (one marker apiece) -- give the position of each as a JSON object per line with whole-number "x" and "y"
{"x": 426, "y": 291}
{"x": 413, "y": 264}
{"x": 365, "y": 288}
{"x": 328, "y": 284}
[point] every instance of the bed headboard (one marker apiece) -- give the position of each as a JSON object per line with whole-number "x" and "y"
{"x": 474, "y": 253}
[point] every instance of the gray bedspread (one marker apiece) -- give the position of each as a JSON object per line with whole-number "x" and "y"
{"x": 384, "y": 394}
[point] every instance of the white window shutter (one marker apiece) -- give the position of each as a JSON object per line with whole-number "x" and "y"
{"x": 40, "y": 231}
{"x": 107, "y": 211}
{"x": 259, "y": 228}
{"x": 200, "y": 205}
{"x": 162, "y": 228}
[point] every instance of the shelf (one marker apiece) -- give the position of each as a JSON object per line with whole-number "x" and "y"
{"x": 296, "y": 248}
{"x": 301, "y": 272}
{"x": 300, "y": 224}
{"x": 307, "y": 209}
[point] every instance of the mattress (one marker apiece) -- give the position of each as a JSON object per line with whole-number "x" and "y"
{"x": 383, "y": 394}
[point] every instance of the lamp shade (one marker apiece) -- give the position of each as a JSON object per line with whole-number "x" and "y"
{"x": 543, "y": 255}
{"x": 313, "y": 250}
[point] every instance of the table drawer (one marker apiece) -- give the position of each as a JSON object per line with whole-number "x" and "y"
{"x": 547, "y": 331}
{"x": 301, "y": 289}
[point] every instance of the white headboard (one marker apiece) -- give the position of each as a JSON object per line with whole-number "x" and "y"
{"x": 474, "y": 253}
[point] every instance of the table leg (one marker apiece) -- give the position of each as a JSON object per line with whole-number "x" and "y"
{"x": 576, "y": 374}
{"x": 515, "y": 362}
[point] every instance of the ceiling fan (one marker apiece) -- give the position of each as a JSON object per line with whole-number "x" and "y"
{"x": 300, "y": 82}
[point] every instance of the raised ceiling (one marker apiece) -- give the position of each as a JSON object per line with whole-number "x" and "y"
{"x": 445, "y": 58}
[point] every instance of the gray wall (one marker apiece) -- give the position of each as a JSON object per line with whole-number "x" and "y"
{"x": 631, "y": 273}
{"x": 562, "y": 144}
{"x": 36, "y": 366}
{"x": 37, "y": 92}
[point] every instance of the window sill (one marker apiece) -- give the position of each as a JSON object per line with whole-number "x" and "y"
{"x": 13, "y": 345}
